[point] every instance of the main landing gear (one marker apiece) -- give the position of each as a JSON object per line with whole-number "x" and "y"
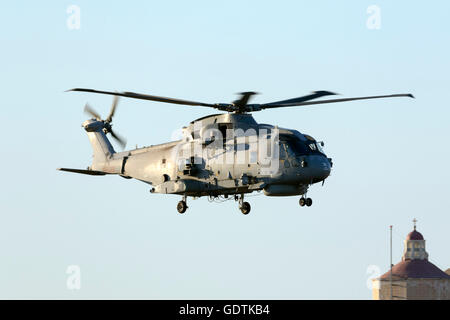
{"x": 243, "y": 206}
{"x": 305, "y": 201}
{"x": 182, "y": 205}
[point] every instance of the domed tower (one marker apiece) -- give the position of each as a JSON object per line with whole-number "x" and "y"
{"x": 414, "y": 246}
{"x": 414, "y": 277}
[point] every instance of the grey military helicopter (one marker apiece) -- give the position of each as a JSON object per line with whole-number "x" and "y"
{"x": 221, "y": 156}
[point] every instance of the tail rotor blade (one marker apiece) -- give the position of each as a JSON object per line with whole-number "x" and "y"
{"x": 120, "y": 140}
{"x": 92, "y": 112}
{"x": 113, "y": 109}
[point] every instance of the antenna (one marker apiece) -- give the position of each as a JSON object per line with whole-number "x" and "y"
{"x": 390, "y": 275}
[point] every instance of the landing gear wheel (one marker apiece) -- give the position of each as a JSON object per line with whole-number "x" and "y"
{"x": 308, "y": 202}
{"x": 245, "y": 208}
{"x": 182, "y": 206}
{"x": 302, "y": 202}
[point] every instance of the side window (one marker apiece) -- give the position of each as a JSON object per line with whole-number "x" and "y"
{"x": 289, "y": 149}
{"x": 223, "y": 127}
{"x": 283, "y": 150}
{"x": 223, "y": 130}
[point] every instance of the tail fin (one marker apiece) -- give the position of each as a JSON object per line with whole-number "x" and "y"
{"x": 102, "y": 148}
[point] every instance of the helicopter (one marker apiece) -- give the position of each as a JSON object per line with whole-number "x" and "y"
{"x": 221, "y": 156}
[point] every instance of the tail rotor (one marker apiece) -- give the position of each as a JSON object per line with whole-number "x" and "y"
{"x": 107, "y": 123}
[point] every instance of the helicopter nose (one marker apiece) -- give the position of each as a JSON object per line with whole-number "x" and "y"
{"x": 321, "y": 168}
{"x": 324, "y": 168}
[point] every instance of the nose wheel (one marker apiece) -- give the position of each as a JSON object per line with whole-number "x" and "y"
{"x": 182, "y": 206}
{"x": 305, "y": 201}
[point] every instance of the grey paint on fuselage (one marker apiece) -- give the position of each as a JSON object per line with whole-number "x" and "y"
{"x": 167, "y": 168}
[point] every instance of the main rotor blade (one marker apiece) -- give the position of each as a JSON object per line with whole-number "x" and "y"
{"x": 334, "y": 100}
{"x": 92, "y": 112}
{"x": 313, "y": 95}
{"x": 120, "y": 140}
{"x": 245, "y": 97}
{"x": 147, "y": 97}
{"x": 113, "y": 109}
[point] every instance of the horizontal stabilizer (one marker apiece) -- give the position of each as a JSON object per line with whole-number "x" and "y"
{"x": 89, "y": 172}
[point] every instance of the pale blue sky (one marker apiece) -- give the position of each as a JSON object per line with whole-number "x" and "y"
{"x": 390, "y": 156}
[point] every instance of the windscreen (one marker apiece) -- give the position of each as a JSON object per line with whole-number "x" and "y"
{"x": 299, "y": 147}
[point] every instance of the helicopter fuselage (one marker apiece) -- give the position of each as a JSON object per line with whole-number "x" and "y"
{"x": 222, "y": 154}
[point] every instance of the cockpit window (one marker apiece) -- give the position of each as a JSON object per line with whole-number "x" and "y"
{"x": 319, "y": 147}
{"x": 316, "y": 147}
{"x": 299, "y": 147}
